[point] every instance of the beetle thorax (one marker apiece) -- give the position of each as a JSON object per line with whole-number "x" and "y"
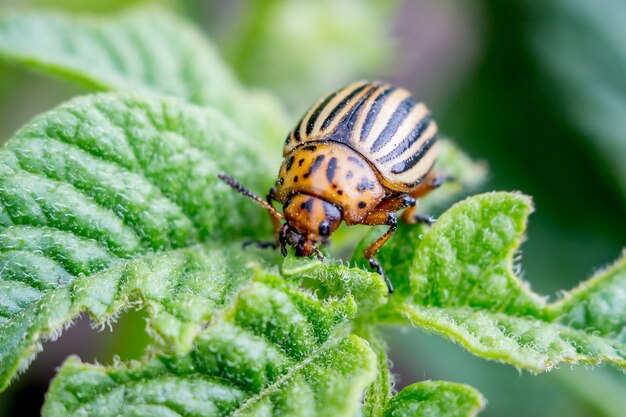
{"x": 334, "y": 173}
{"x": 313, "y": 218}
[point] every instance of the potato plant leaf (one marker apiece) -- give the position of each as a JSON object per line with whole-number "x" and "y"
{"x": 379, "y": 392}
{"x": 107, "y": 200}
{"x": 278, "y": 351}
{"x": 143, "y": 49}
{"x": 335, "y": 279}
{"x": 435, "y": 399}
{"x": 597, "y": 305}
{"x": 462, "y": 285}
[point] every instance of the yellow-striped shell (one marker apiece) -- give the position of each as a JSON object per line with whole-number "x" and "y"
{"x": 391, "y": 130}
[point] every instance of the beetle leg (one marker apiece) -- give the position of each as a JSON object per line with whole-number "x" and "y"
{"x": 422, "y": 218}
{"x": 374, "y": 264}
{"x": 431, "y": 181}
{"x": 260, "y": 243}
{"x": 282, "y": 239}
{"x": 396, "y": 203}
{"x": 271, "y": 196}
{"x": 380, "y": 217}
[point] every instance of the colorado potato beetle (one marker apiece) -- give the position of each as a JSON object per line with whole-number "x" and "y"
{"x": 358, "y": 155}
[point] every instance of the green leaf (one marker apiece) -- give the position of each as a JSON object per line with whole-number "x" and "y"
{"x": 331, "y": 278}
{"x": 144, "y": 49}
{"x": 279, "y": 351}
{"x": 379, "y": 392}
{"x": 463, "y": 286}
{"x": 466, "y": 258}
{"x": 597, "y": 305}
{"x": 103, "y": 180}
{"x": 436, "y": 398}
{"x": 528, "y": 343}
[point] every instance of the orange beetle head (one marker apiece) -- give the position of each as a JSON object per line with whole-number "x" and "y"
{"x": 309, "y": 220}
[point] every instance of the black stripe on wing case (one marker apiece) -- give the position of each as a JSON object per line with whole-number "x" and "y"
{"x": 374, "y": 111}
{"x": 406, "y": 144}
{"x": 296, "y": 131}
{"x": 393, "y": 124}
{"x": 410, "y": 162}
{"x": 341, "y": 105}
{"x": 311, "y": 122}
{"x": 358, "y": 107}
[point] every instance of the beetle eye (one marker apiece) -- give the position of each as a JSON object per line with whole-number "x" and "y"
{"x": 324, "y": 229}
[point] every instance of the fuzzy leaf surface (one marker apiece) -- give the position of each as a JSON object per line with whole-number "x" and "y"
{"x": 144, "y": 49}
{"x": 278, "y": 352}
{"x": 108, "y": 199}
{"x": 436, "y": 399}
{"x": 597, "y": 305}
{"x": 332, "y": 278}
{"x": 462, "y": 285}
{"x": 379, "y": 392}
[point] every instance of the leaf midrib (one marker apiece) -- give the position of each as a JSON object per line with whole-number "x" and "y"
{"x": 275, "y": 386}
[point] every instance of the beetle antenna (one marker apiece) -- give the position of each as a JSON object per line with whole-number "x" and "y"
{"x": 243, "y": 190}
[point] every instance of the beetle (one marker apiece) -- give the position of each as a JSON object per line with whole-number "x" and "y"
{"x": 358, "y": 155}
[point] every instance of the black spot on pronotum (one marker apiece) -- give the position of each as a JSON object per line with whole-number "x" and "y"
{"x": 340, "y": 192}
{"x": 307, "y": 205}
{"x": 314, "y": 166}
{"x": 365, "y": 184}
{"x": 362, "y": 204}
{"x": 289, "y": 163}
{"x": 300, "y": 162}
{"x": 355, "y": 161}
{"x": 330, "y": 169}
{"x": 295, "y": 179}
{"x": 324, "y": 229}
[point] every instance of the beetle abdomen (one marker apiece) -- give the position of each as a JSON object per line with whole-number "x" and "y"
{"x": 391, "y": 130}
{"x": 333, "y": 172}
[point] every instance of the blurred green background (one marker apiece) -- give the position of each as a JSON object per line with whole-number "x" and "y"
{"x": 536, "y": 89}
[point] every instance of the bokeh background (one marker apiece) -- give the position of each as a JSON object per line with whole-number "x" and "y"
{"x": 537, "y": 89}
